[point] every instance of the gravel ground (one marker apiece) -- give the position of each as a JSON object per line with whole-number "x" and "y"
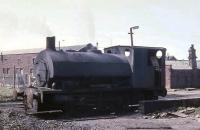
{"x": 12, "y": 116}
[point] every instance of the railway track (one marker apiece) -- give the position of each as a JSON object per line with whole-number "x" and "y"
{"x": 90, "y": 118}
{"x": 145, "y": 107}
{"x": 65, "y": 117}
{"x": 83, "y": 115}
{"x": 113, "y": 115}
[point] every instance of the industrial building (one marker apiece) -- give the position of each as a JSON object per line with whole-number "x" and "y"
{"x": 183, "y": 73}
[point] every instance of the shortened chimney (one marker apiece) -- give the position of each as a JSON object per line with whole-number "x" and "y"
{"x": 50, "y": 43}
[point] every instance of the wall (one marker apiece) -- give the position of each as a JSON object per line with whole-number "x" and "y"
{"x": 168, "y": 69}
{"x": 182, "y": 78}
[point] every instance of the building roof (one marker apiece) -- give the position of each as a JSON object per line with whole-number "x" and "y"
{"x": 171, "y": 58}
{"x": 184, "y": 64}
{"x": 64, "y": 48}
{"x": 135, "y": 47}
{"x": 37, "y": 50}
{"x": 180, "y": 64}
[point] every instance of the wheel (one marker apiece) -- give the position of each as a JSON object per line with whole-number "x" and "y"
{"x": 118, "y": 108}
{"x": 31, "y": 108}
{"x": 150, "y": 96}
{"x": 14, "y": 94}
{"x": 67, "y": 108}
{"x": 35, "y": 106}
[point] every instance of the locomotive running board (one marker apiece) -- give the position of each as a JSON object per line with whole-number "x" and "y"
{"x": 45, "y": 112}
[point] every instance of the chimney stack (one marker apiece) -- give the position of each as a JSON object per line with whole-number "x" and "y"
{"x": 192, "y": 57}
{"x": 50, "y": 43}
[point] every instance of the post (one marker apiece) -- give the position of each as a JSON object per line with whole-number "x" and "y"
{"x": 59, "y": 45}
{"x": 97, "y": 45}
{"x": 14, "y": 78}
{"x": 131, "y": 34}
{"x": 132, "y": 51}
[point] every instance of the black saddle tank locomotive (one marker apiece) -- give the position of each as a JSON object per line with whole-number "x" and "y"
{"x": 89, "y": 77}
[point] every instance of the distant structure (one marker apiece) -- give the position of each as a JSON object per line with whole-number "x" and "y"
{"x": 192, "y": 57}
{"x": 183, "y": 73}
{"x": 170, "y": 58}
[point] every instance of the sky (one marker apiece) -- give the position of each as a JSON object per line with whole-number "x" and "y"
{"x": 172, "y": 24}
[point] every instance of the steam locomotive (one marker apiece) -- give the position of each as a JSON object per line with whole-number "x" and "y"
{"x": 120, "y": 76}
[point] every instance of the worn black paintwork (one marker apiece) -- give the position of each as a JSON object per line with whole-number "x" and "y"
{"x": 90, "y": 77}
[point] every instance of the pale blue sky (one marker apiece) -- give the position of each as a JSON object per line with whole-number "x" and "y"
{"x": 173, "y": 24}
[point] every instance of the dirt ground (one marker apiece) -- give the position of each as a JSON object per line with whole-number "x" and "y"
{"x": 12, "y": 116}
{"x": 6, "y": 93}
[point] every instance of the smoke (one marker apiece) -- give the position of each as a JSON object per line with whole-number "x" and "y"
{"x": 26, "y": 24}
{"x": 85, "y": 20}
{"x": 12, "y": 24}
{"x": 8, "y": 24}
{"x": 36, "y": 25}
{"x": 18, "y": 32}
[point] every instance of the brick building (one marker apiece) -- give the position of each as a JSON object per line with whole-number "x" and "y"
{"x": 183, "y": 73}
{"x": 22, "y": 61}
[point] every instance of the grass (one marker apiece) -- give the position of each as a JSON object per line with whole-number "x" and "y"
{"x": 6, "y": 93}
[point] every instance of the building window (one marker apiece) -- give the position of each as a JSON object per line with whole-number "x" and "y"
{"x": 33, "y": 60}
{"x": 19, "y": 70}
{"x": 2, "y": 57}
{"x": 18, "y": 61}
{"x": 6, "y": 70}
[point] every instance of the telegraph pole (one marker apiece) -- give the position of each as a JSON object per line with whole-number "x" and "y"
{"x": 59, "y": 42}
{"x": 131, "y": 34}
{"x": 132, "y": 51}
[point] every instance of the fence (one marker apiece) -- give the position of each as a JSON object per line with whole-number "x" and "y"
{"x": 8, "y": 79}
